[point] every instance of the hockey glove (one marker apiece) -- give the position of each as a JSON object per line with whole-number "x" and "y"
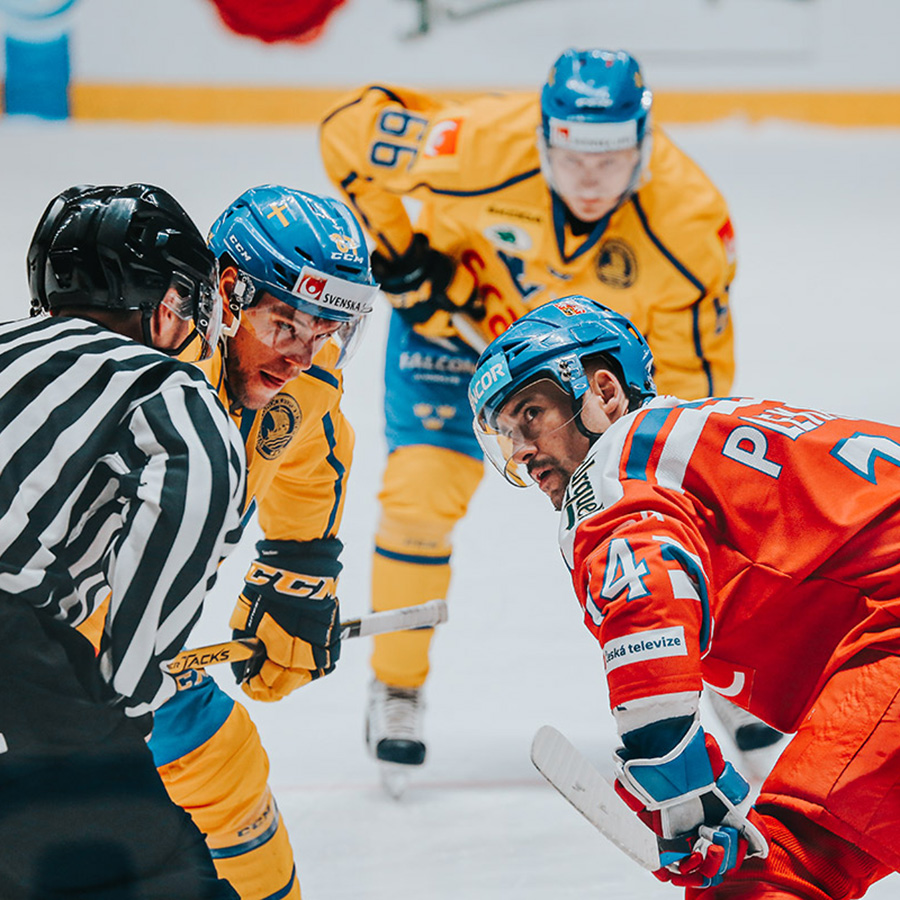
{"x": 697, "y": 804}
{"x": 294, "y": 614}
{"x": 423, "y": 281}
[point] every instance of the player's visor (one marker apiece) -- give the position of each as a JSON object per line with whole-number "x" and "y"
{"x": 317, "y": 302}
{"x": 299, "y": 335}
{"x": 514, "y": 436}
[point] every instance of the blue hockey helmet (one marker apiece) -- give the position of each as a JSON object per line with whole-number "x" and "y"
{"x": 595, "y": 101}
{"x": 305, "y": 250}
{"x": 552, "y": 342}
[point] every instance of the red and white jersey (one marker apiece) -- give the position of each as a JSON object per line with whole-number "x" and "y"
{"x": 747, "y": 544}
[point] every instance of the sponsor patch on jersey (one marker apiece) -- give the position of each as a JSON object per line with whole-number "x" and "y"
{"x": 580, "y": 500}
{"x": 442, "y": 138}
{"x": 507, "y": 211}
{"x": 508, "y": 237}
{"x": 642, "y": 646}
{"x": 280, "y": 420}
{"x": 617, "y": 264}
{"x": 726, "y": 236}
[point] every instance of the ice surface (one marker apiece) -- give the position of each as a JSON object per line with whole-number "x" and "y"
{"x": 817, "y": 313}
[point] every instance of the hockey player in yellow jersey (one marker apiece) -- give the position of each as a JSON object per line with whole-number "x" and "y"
{"x": 522, "y": 199}
{"x": 295, "y": 274}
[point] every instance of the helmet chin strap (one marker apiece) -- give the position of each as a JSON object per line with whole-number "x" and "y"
{"x": 577, "y": 406}
{"x": 571, "y": 372}
{"x": 146, "y": 316}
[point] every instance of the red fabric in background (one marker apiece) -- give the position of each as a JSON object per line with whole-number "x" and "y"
{"x": 277, "y": 20}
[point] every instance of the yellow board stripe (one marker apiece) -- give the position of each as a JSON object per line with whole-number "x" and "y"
{"x": 224, "y": 104}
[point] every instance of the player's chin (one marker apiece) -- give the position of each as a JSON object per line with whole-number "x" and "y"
{"x": 590, "y": 210}
{"x": 553, "y": 486}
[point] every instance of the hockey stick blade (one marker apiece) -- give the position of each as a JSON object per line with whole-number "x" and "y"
{"x": 426, "y": 615}
{"x": 593, "y": 796}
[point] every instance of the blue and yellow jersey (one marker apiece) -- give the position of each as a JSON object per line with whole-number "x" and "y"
{"x": 299, "y": 449}
{"x": 664, "y": 258}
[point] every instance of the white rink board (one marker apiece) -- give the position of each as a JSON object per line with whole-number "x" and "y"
{"x": 818, "y": 317}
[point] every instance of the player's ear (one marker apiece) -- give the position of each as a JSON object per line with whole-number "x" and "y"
{"x": 608, "y": 396}
{"x": 230, "y": 318}
{"x": 227, "y": 280}
{"x": 606, "y": 386}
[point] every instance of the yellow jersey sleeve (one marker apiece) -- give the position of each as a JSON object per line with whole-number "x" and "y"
{"x": 368, "y": 144}
{"x": 689, "y": 324}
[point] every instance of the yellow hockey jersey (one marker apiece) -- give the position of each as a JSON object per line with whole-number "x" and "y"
{"x": 665, "y": 258}
{"x": 299, "y": 449}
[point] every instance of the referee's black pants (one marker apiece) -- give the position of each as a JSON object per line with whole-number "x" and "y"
{"x": 83, "y": 812}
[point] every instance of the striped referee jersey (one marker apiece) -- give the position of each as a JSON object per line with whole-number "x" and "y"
{"x": 121, "y": 475}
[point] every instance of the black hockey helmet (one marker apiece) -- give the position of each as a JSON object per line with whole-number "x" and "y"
{"x": 121, "y": 248}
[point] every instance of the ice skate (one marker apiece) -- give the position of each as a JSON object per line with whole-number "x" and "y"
{"x": 394, "y": 733}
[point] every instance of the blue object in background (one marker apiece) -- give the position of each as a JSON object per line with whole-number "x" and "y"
{"x": 37, "y": 78}
{"x": 37, "y": 57}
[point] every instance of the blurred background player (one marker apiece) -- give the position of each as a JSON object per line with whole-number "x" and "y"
{"x": 707, "y": 542}
{"x": 522, "y": 199}
{"x": 122, "y": 476}
{"x": 297, "y": 286}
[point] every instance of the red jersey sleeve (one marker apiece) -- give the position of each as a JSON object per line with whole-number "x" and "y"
{"x": 641, "y": 577}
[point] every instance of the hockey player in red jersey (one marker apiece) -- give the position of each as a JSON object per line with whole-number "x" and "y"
{"x": 749, "y": 546}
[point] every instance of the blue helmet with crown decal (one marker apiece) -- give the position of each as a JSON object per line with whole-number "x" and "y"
{"x": 305, "y": 250}
{"x": 594, "y": 101}
{"x": 552, "y": 342}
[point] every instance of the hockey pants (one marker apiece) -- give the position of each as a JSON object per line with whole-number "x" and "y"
{"x": 433, "y": 468}
{"x": 214, "y": 766}
{"x": 425, "y": 492}
{"x": 83, "y": 812}
{"x": 832, "y": 801}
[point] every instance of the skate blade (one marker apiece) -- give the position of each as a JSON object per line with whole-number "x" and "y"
{"x": 394, "y": 778}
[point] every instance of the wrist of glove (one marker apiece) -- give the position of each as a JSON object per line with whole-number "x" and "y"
{"x": 697, "y": 804}
{"x": 295, "y": 614}
{"x": 423, "y": 281}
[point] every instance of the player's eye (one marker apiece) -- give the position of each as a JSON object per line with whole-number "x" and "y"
{"x": 286, "y": 329}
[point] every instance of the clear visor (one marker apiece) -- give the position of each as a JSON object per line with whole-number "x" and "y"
{"x": 299, "y": 335}
{"x": 320, "y": 307}
{"x": 519, "y": 432}
{"x": 200, "y": 304}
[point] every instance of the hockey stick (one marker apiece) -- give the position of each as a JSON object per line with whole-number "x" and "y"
{"x": 426, "y": 615}
{"x": 593, "y": 796}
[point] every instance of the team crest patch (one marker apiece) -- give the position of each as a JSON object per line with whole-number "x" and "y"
{"x": 571, "y": 308}
{"x": 344, "y": 243}
{"x": 280, "y": 420}
{"x": 616, "y": 264}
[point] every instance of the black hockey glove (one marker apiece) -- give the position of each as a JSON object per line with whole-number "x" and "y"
{"x": 423, "y": 281}
{"x": 295, "y": 616}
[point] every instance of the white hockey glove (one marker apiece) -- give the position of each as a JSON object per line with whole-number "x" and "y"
{"x": 696, "y": 803}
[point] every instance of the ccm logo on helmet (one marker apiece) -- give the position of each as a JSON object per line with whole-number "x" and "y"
{"x": 494, "y": 373}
